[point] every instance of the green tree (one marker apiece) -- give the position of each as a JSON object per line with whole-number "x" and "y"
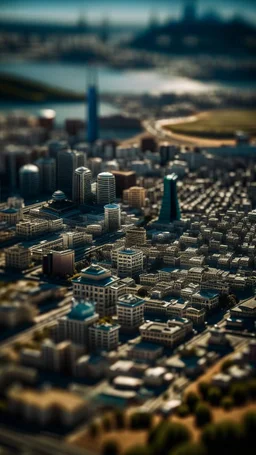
{"x": 252, "y": 389}
{"x": 189, "y": 449}
{"x": 227, "y": 403}
{"x": 203, "y": 414}
{"x": 138, "y": 450}
{"x": 183, "y": 410}
{"x": 110, "y": 448}
{"x": 168, "y": 435}
{"x": 106, "y": 423}
{"x": 203, "y": 388}
{"x": 214, "y": 396}
{"x": 140, "y": 420}
{"x": 249, "y": 425}
{"x": 239, "y": 393}
{"x": 223, "y": 438}
{"x": 192, "y": 400}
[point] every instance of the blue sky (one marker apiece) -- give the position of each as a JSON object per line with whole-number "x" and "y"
{"x": 134, "y": 11}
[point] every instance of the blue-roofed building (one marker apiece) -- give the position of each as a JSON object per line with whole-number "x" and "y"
{"x": 206, "y": 299}
{"x": 97, "y": 284}
{"x": 76, "y": 324}
{"x": 104, "y": 336}
{"x": 130, "y": 311}
{"x": 10, "y": 215}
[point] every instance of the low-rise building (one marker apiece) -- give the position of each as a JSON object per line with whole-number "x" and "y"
{"x": 206, "y": 299}
{"x": 18, "y": 257}
{"x": 46, "y": 406}
{"x": 168, "y": 334}
{"x": 104, "y": 336}
{"x": 129, "y": 262}
{"x": 130, "y": 311}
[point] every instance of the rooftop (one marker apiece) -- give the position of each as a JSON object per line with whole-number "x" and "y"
{"x": 81, "y": 311}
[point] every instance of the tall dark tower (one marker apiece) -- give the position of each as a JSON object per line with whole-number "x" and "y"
{"x": 170, "y": 210}
{"x": 92, "y": 103}
{"x": 190, "y": 11}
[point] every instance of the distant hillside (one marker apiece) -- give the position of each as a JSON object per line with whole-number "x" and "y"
{"x": 235, "y": 37}
{"x": 14, "y": 88}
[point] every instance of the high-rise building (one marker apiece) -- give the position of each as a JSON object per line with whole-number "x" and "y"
{"x": 129, "y": 263}
{"x": 135, "y": 236}
{"x": 29, "y": 180}
{"x": 135, "y": 197}
{"x": 130, "y": 311}
{"x": 112, "y": 217}
{"x": 95, "y": 165}
{"x": 92, "y": 120}
{"x": 59, "y": 263}
{"x": 82, "y": 185}
{"x": 170, "y": 210}
{"x": 47, "y": 170}
{"x": 190, "y": 11}
{"x": 106, "y": 188}
{"x": 67, "y": 162}
{"x": 124, "y": 180}
{"x": 15, "y": 158}
{"x": 148, "y": 143}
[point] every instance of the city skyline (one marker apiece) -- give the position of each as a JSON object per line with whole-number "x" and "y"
{"x": 119, "y": 13}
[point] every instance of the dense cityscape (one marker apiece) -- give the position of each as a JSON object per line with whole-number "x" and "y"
{"x": 127, "y": 265}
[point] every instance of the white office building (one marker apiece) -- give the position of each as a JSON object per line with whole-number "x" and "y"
{"x": 106, "y": 188}
{"x": 82, "y": 182}
{"x": 104, "y": 336}
{"x": 112, "y": 217}
{"x": 130, "y": 311}
{"x": 129, "y": 262}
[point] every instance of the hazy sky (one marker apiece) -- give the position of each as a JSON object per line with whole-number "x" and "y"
{"x": 117, "y": 10}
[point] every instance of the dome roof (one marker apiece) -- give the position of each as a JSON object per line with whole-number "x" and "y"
{"x": 82, "y": 311}
{"x": 59, "y": 195}
{"x": 105, "y": 174}
{"x": 29, "y": 168}
{"x": 112, "y": 206}
{"x": 82, "y": 170}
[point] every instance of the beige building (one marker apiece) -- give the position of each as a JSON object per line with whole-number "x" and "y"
{"x": 46, "y": 406}
{"x": 135, "y": 236}
{"x": 129, "y": 262}
{"x": 135, "y": 197}
{"x": 18, "y": 257}
{"x": 168, "y": 334}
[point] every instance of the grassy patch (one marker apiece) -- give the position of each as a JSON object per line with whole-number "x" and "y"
{"x": 218, "y": 124}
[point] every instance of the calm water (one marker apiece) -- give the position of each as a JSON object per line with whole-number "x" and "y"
{"x": 73, "y": 77}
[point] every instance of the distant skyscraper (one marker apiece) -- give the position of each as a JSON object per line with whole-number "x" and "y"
{"x": 170, "y": 210}
{"x": 92, "y": 103}
{"x": 67, "y": 162}
{"x": 82, "y": 185}
{"x": 112, "y": 213}
{"x": 47, "y": 169}
{"x": 29, "y": 180}
{"x": 190, "y": 10}
{"x": 106, "y": 188}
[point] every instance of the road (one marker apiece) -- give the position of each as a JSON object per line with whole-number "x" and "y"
{"x": 40, "y": 445}
{"x": 41, "y": 322}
